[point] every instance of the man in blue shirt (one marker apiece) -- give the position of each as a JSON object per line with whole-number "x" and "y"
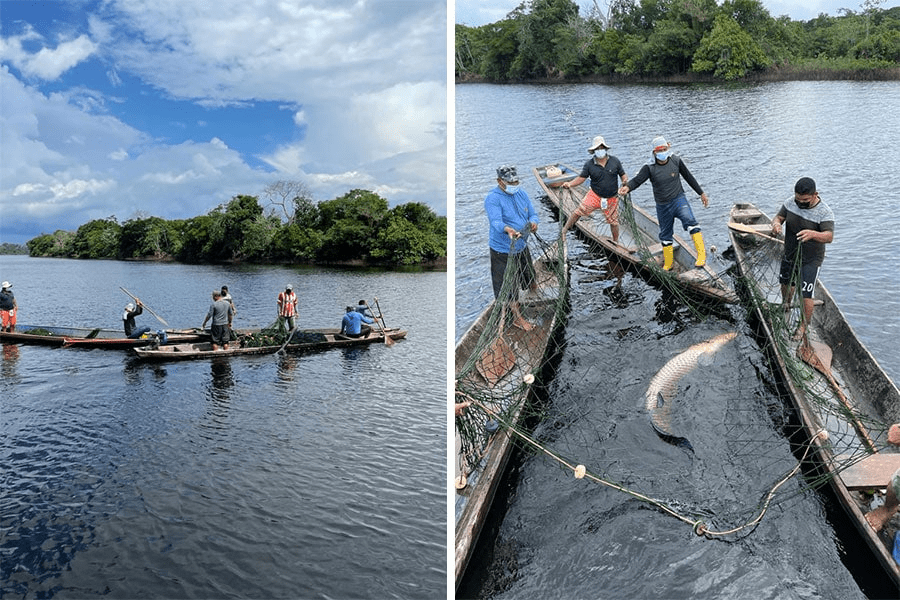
{"x": 352, "y": 324}
{"x": 511, "y": 217}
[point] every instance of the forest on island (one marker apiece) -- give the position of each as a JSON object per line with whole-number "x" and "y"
{"x": 658, "y": 39}
{"x": 356, "y": 227}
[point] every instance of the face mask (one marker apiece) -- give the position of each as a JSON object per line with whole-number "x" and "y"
{"x": 511, "y": 189}
{"x": 663, "y": 156}
{"x": 802, "y": 204}
{"x": 599, "y": 153}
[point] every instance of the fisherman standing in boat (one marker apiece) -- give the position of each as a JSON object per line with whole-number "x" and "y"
{"x": 221, "y": 313}
{"x": 509, "y": 212}
{"x": 602, "y": 169}
{"x": 8, "y": 307}
{"x": 808, "y": 226}
{"x": 131, "y": 311}
{"x": 287, "y": 308}
{"x": 665, "y": 174}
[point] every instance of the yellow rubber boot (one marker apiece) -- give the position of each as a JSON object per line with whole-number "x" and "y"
{"x": 668, "y": 257}
{"x": 701, "y": 249}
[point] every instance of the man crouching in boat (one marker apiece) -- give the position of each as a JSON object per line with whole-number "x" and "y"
{"x": 509, "y": 211}
{"x": 221, "y": 312}
{"x": 808, "y": 226}
{"x": 131, "y": 329}
{"x": 352, "y": 324}
{"x": 881, "y": 515}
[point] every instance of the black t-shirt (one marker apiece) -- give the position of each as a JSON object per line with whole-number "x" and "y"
{"x": 604, "y": 179}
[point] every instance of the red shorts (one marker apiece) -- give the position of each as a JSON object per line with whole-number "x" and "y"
{"x": 8, "y": 318}
{"x": 592, "y": 202}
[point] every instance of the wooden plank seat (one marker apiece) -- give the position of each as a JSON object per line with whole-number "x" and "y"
{"x": 872, "y": 472}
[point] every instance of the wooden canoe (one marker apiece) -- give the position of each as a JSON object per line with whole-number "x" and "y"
{"x": 302, "y": 340}
{"x": 857, "y": 381}
{"x": 504, "y": 382}
{"x": 86, "y": 337}
{"x": 638, "y": 243}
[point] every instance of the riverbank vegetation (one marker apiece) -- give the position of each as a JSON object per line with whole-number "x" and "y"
{"x": 357, "y": 227}
{"x": 678, "y": 40}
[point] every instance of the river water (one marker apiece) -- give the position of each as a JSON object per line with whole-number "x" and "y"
{"x": 743, "y": 143}
{"x": 316, "y": 475}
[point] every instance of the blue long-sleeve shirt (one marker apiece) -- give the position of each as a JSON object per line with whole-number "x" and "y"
{"x": 504, "y": 210}
{"x": 352, "y": 322}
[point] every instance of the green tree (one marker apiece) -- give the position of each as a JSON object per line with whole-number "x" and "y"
{"x": 56, "y": 244}
{"x": 728, "y": 52}
{"x": 545, "y": 44}
{"x": 350, "y": 223}
{"x": 150, "y": 237}
{"x": 97, "y": 239}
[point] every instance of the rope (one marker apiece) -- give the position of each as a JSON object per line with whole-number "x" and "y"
{"x": 697, "y": 525}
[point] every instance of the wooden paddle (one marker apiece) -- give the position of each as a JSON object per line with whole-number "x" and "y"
{"x": 290, "y": 335}
{"x": 149, "y": 310}
{"x": 818, "y": 355}
{"x": 380, "y": 314}
{"x": 388, "y": 341}
{"x": 748, "y": 229}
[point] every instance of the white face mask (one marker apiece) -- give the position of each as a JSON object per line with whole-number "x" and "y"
{"x": 600, "y": 153}
{"x": 511, "y": 189}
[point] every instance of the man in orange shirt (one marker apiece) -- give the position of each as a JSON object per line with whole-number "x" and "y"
{"x": 287, "y": 307}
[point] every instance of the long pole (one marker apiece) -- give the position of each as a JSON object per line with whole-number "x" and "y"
{"x": 149, "y": 310}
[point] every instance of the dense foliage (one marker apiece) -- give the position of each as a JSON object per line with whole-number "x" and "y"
{"x": 549, "y": 39}
{"x": 7, "y": 248}
{"x": 356, "y": 226}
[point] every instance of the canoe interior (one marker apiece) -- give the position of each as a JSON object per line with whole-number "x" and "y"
{"x": 638, "y": 243}
{"x": 504, "y": 393}
{"x": 872, "y": 396}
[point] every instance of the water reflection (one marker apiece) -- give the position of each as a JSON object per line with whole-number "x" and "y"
{"x": 222, "y": 378}
{"x": 10, "y": 361}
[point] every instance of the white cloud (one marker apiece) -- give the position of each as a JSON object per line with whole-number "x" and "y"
{"x": 47, "y": 63}
{"x": 370, "y": 77}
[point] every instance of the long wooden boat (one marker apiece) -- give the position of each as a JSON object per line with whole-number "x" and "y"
{"x": 840, "y": 397}
{"x": 302, "y": 340}
{"x": 638, "y": 243}
{"x": 497, "y": 371}
{"x": 87, "y": 337}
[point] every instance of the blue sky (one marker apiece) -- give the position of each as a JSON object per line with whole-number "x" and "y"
{"x": 480, "y": 12}
{"x": 172, "y": 107}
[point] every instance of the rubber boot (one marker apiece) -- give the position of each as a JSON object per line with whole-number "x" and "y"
{"x": 668, "y": 257}
{"x": 701, "y": 249}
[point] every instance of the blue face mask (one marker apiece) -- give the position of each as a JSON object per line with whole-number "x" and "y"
{"x": 663, "y": 156}
{"x": 511, "y": 189}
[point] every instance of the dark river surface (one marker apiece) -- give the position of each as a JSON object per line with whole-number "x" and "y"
{"x": 317, "y": 475}
{"x": 549, "y": 537}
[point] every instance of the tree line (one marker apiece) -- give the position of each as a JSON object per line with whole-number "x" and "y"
{"x": 358, "y": 226}
{"x": 634, "y": 39}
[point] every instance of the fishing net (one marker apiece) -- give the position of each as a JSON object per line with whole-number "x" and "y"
{"x": 754, "y": 427}
{"x": 275, "y": 334}
{"x": 505, "y": 350}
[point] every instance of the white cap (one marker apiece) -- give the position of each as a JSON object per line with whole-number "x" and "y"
{"x": 659, "y": 143}
{"x": 6, "y": 285}
{"x": 597, "y": 143}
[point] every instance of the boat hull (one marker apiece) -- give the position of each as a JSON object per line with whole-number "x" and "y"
{"x": 637, "y": 246}
{"x": 313, "y": 340}
{"x": 864, "y": 384}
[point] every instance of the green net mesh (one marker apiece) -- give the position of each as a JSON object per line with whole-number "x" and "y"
{"x": 497, "y": 361}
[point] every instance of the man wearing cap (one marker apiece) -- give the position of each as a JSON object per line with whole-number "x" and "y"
{"x": 221, "y": 313}
{"x": 665, "y": 174}
{"x": 808, "y": 226}
{"x": 287, "y": 308}
{"x": 8, "y": 308}
{"x": 131, "y": 329}
{"x": 602, "y": 169}
{"x": 511, "y": 217}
